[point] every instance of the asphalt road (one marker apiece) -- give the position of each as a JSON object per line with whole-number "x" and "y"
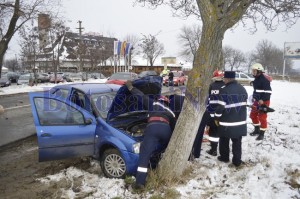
{"x": 16, "y": 122}
{"x": 15, "y": 100}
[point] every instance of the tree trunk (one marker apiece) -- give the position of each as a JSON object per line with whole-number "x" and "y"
{"x": 10, "y": 32}
{"x": 209, "y": 57}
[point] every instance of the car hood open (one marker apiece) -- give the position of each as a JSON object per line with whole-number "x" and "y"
{"x": 123, "y": 101}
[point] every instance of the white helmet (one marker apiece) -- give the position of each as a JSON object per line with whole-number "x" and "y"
{"x": 257, "y": 66}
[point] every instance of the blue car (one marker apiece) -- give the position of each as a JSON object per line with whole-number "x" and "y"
{"x": 100, "y": 120}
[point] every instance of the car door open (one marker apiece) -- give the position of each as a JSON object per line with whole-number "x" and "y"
{"x": 63, "y": 129}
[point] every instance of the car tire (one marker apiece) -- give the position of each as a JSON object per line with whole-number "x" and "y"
{"x": 112, "y": 164}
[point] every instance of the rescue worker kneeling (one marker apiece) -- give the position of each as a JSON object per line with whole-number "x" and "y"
{"x": 158, "y": 131}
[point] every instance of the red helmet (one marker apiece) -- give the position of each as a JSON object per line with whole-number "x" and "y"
{"x": 218, "y": 73}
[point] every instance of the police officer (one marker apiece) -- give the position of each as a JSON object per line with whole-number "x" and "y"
{"x": 231, "y": 116}
{"x": 213, "y": 92}
{"x": 261, "y": 96}
{"x": 158, "y": 131}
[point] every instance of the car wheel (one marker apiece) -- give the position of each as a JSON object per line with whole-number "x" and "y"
{"x": 113, "y": 164}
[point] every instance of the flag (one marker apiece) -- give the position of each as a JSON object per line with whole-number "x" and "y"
{"x": 119, "y": 47}
{"x": 116, "y": 47}
{"x": 123, "y": 48}
{"x": 128, "y": 46}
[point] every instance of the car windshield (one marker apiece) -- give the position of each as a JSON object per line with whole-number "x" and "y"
{"x": 102, "y": 103}
{"x": 123, "y": 76}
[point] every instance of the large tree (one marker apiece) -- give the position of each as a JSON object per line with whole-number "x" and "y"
{"x": 233, "y": 58}
{"x": 14, "y": 14}
{"x": 151, "y": 48}
{"x": 217, "y": 17}
{"x": 189, "y": 39}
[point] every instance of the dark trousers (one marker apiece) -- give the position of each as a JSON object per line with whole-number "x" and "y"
{"x": 236, "y": 149}
{"x": 156, "y": 134}
{"x": 198, "y": 140}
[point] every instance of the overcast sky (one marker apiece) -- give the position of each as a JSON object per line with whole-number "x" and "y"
{"x": 119, "y": 18}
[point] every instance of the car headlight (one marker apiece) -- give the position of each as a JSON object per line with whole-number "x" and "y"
{"x": 136, "y": 147}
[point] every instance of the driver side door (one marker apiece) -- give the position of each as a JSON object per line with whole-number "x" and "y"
{"x": 64, "y": 130}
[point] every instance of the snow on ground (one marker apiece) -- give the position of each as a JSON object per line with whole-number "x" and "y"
{"x": 272, "y": 165}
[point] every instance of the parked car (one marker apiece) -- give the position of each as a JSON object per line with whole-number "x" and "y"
{"x": 243, "y": 78}
{"x": 146, "y": 73}
{"x": 59, "y": 78}
{"x": 120, "y": 78}
{"x": 74, "y": 77}
{"x": 4, "y": 81}
{"x": 43, "y": 77}
{"x": 178, "y": 79}
{"x": 97, "y": 77}
{"x": 96, "y": 120}
{"x": 25, "y": 78}
{"x": 13, "y": 76}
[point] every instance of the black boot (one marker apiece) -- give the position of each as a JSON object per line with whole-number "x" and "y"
{"x": 261, "y": 135}
{"x": 213, "y": 150}
{"x": 256, "y": 131}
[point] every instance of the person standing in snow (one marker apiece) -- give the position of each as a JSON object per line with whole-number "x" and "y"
{"x": 213, "y": 92}
{"x": 261, "y": 96}
{"x": 231, "y": 118}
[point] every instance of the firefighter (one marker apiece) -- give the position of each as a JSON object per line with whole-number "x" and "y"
{"x": 231, "y": 118}
{"x": 207, "y": 120}
{"x": 261, "y": 96}
{"x": 158, "y": 131}
{"x": 214, "y": 91}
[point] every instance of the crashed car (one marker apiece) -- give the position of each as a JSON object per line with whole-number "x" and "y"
{"x": 100, "y": 120}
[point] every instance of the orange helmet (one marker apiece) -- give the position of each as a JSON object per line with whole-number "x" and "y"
{"x": 218, "y": 73}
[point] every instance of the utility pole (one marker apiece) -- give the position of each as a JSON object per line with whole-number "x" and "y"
{"x": 80, "y": 45}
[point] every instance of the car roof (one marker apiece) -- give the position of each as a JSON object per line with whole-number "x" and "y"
{"x": 90, "y": 87}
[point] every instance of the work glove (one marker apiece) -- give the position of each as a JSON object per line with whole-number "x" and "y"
{"x": 129, "y": 85}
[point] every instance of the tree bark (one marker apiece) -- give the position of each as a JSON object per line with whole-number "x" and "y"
{"x": 10, "y": 32}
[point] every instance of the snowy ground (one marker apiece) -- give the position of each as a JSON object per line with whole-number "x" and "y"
{"x": 271, "y": 171}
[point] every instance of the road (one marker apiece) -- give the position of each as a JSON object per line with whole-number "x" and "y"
{"x": 16, "y": 122}
{"x": 15, "y": 100}
{"x": 20, "y": 171}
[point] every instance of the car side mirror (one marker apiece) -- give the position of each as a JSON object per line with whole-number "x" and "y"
{"x": 88, "y": 121}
